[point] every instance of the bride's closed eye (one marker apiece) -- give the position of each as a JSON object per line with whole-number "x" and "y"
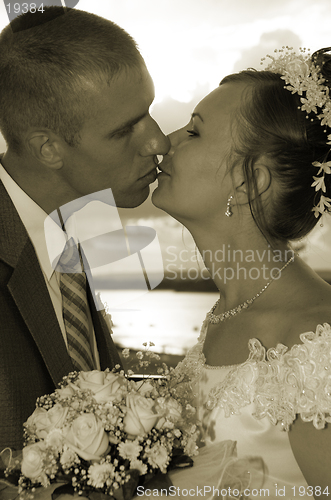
{"x": 192, "y": 133}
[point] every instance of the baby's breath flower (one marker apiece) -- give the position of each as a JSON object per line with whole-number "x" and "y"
{"x": 155, "y": 356}
{"x": 140, "y": 466}
{"x": 129, "y": 449}
{"x": 68, "y": 458}
{"x": 191, "y": 448}
{"x": 126, "y": 353}
{"x": 158, "y": 457}
{"x": 99, "y": 473}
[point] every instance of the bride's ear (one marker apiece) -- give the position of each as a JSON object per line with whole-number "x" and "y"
{"x": 262, "y": 181}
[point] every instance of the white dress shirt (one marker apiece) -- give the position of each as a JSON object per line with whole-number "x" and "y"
{"x": 33, "y": 218}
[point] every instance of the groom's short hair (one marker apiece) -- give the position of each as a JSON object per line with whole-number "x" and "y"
{"x": 49, "y": 63}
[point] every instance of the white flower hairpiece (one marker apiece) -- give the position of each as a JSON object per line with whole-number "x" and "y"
{"x": 303, "y": 77}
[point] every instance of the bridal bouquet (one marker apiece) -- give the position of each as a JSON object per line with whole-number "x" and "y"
{"x": 102, "y": 432}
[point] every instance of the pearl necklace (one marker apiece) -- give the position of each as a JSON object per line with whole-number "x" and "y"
{"x": 213, "y": 318}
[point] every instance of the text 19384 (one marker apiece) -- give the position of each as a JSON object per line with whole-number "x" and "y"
{"x": 16, "y": 8}
{"x": 310, "y": 491}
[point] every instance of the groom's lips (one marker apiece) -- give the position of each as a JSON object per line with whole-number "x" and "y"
{"x": 150, "y": 176}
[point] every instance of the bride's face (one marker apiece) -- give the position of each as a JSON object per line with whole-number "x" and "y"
{"x": 193, "y": 184}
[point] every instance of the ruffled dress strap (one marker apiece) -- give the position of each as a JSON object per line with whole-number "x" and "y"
{"x": 282, "y": 383}
{"x": 297, "y": 381}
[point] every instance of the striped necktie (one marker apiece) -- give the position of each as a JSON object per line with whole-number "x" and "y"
{"x": 75, "y": 307}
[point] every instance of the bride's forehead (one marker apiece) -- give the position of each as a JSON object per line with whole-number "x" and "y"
{"x": 222, "y": 100}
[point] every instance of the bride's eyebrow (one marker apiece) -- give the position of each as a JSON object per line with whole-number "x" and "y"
{"x": 198, "y": 115}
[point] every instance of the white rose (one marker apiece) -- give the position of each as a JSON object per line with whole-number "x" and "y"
{"x": 43, "y": 421}
{"x": 32, "y": 463}
{"x": 104, "y": 386}
{"x": 87, "y": 437}
{"x": 140, "y": 417}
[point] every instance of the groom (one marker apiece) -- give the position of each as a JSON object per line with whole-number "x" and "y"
{"x": 74, "y": 111}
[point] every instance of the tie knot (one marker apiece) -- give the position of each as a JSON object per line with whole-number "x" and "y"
{"x": 70, "y": 260}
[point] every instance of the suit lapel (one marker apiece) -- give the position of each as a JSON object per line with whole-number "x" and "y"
{"x": 29, "y": 291}
{"x": 28, "y": 288}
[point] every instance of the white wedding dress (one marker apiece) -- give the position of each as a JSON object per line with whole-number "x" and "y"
{"x": 254, "y": 404}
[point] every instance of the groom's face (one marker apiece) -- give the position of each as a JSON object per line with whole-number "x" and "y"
{"x": 118, "y": 142}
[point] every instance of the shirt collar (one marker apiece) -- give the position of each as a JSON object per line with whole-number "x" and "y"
{"x": 33, "y": 218}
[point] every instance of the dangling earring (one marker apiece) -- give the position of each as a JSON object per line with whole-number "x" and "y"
{"x": 228, "y": 212}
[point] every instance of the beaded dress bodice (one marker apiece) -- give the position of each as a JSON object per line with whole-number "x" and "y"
{"x": 251, "y": 402}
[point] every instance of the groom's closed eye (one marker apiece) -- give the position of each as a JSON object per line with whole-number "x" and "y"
{"x": 126, "y": 128}
{"x": 124, "y": 132}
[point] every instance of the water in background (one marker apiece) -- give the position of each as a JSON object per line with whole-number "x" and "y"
{"x": 171, "y": 320}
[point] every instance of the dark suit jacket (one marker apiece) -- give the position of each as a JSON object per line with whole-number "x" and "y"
{"x": 33, "y": 355}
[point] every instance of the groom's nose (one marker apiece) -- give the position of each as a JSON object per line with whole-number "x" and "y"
{"x": 154, "y": 140}
{"x": 176, "y": 138}
{"x": 171, "y": 150}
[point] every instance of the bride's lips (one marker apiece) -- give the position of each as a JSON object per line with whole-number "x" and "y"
{"x": 162, "y": 170}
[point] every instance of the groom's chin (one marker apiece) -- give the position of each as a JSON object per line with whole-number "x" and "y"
{"x": 132, "y": 200}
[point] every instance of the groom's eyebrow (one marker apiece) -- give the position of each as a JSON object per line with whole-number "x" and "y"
{"x": 198, "y": 115}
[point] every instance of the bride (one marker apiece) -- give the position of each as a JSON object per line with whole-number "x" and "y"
{"x": 249, "y": 173}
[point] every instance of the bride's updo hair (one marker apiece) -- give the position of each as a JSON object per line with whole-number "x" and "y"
{"x": 271, "y": 125}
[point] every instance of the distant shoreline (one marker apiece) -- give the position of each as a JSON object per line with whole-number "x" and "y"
{"x": 183, "y": 285}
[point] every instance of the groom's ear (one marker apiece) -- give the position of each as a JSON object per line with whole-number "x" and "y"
{"x": 45, "y": 146}
{"x": 260, "y": 177}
